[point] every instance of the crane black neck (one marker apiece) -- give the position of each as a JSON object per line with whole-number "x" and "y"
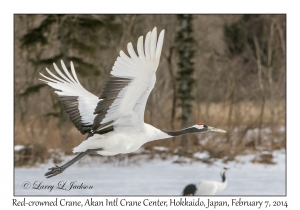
{"x": 186, "y": 131}
{"x": 223, "y": 176}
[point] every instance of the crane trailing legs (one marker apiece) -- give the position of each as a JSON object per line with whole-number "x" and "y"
{"x": 206, "y": 187}
{"x": 114, "y": 121}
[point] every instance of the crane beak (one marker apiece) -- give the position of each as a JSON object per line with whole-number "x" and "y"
{"x": 216, "y": 129}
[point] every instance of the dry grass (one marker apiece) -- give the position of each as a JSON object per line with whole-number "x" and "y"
{"x": 241, "y": 136}
{"x": 31, "y": 154}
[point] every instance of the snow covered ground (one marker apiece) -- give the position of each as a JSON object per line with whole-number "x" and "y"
{"x": 153, "y": 177}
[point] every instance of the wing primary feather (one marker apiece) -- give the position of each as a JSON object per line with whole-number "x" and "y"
{"x": 134, "y": 56}
{"x": 127, "y": 59}
{"x": 131, "y": 51}
{"x": 44, "y": 81}
{"x": 52, "y": 80}
{"x": 153, "y": 42}
{"x": 74, "y": 73}
{"x": 66, "y": 71}
{"x": 147, "y": 45}
{"x": 159, "y": 46}
{"x": 123, "y": 65}
{"x": 61, "y": 74}
{"x": 59, "y": 79}
{"x": 140, "y": 47}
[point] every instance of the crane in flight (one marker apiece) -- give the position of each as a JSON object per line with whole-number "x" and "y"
{"x": 114, "y": 121}
{"x": 206, "y": 187}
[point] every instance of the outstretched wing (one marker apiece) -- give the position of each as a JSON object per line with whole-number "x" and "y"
{"x": 77, "y": 101}
{"x": 123, "y": 100}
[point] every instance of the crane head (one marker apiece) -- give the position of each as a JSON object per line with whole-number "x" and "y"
{"x": 204, "y": 128}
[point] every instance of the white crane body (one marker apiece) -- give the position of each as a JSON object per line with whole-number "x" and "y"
{"x": 119, "y": 142}
{"x": 210, "y": 187}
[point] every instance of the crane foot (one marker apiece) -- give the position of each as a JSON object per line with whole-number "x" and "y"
{"x": 54, "y": 171}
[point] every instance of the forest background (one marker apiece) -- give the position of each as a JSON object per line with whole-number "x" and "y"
{"x": 228, "y": 71}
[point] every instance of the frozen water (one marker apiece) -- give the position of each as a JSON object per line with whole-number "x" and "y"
{"x": 155, "y": 177}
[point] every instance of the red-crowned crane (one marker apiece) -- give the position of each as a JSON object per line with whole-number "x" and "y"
{"x": 206, "y": 187}
{"x": 114, "y": 122}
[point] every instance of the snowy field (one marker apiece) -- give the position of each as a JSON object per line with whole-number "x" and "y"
{"x": 153, "y": 177}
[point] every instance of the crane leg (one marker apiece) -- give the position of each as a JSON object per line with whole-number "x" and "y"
{"x": 59, "y": 169}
